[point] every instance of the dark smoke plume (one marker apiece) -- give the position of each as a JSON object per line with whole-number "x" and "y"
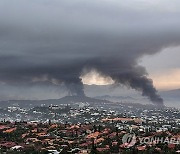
{"x": 132, "y": 76}
{"x": 141, "y": 83}
{"x": 54, "y": 41}
{"x": 75, "y": 87}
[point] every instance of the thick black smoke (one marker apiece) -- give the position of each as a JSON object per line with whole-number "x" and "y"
{"x": 55, "y": 40}
{"x": 126, "y": 73}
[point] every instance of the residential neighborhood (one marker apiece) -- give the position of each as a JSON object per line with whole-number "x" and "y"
{"x": 102, "y": 133}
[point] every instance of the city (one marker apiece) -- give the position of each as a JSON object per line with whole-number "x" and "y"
{"x": 89, "y": 77}
{"x": 82, "y": 127}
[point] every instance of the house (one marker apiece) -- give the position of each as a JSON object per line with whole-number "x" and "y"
{"x": 102, "y": 149}
{"x": 123, "y": 120}
{"x": 93, "y": 135}
{"x": 9, "y": 130}
{"x": 17, "y": 147}
{"x": 141, "y": 148}
{"x": 7, "y": 145}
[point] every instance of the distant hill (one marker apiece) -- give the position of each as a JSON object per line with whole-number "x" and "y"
{"x": 116, "y": 98}
{"x": 63, "y": 100}
{"x": 73, "y": 99}
{"x": 171, "y": 93}
{"x": 171, "y": 97}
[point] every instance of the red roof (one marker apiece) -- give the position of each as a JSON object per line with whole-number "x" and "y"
{"x": 93, "y": 135}
{"x": 137, "y": 120}
{"x": 8, "y": 144}
{"x": 171, "y": 146}
{"x": 102, "y": 149}
{"x": 9, "y": 130}
{"x": 2, "y": 127}
{"x": 141, "y": 148}
{"x": 114, "y": 143}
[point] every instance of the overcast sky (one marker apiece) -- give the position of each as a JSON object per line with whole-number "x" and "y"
{"x": 99, "y": 41}
{"x": 164, "y": 68}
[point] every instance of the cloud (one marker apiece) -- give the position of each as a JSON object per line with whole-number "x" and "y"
{"x": 59, "y": 39}
{"x": 168, "y": 79}
{"x": 95, "y": 78}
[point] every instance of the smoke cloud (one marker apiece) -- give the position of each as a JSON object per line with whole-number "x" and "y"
{"x": 55, "y": 40}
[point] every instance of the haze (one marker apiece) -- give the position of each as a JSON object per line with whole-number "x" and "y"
{"x": 76, "y": 42}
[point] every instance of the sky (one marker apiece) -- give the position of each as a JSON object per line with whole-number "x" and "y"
{"x": 164, "y": 68}
{"x": 68, "y": 43}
